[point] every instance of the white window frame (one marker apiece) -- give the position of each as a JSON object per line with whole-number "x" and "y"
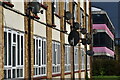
{"x": 56, "y": 6}
{"x": 76, "y": 58}
{"x": 75, "y": 13}
{"x": 39, "y": 67}
{"x": 67, "y": 59}
{"x": 56, "y": 65}
{"x": 81, "y": 18}
{"x": 67, "y": 5}
{"x": 82, "y": 59}
{"x": 14, "y": 44}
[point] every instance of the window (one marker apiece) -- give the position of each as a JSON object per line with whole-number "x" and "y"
{"x": 66, "y": 5}
{"x": 67, "y": 58}
{"x": 82, "y": 59}
{"x": 87, "y": 23}
{"x": 14, "y": 54}
{"x": 56, "y": 56}
{"x": 81, "y": 18}
{"x": 39, "y": 56}
{"x": 56, "y": 6}
{"x": 75, "y": 13}
{"x": 76, "y": 58}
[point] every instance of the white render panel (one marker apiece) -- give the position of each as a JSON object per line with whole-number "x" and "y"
{"x": 55, "y": 33}
{"x": 66, "y": 39}
{"x": 68, "y": 28}
{"x": 13, "y": 20}
{"x": 42, "y": 16}
{"x": 76, "y": 75}
{"x": 82, "y": 4}
{"x": 57, "y": 22}
{"x": 67, "y": 76}
{"x": 18, "y": 5}
{"x": 39, "y": 29}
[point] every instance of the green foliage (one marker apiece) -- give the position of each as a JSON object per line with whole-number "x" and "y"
{"x": 102, "y": 67}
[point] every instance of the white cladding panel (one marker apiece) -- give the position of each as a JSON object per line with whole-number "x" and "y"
{"x": 66, "y": 39}
{"x": 40, "y": 29}
{"x": 12, "y": 19}
{"x": 82, "y": 4}
{"x": 55, "y": 33}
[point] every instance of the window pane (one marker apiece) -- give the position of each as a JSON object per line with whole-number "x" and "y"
{"x": 9, "y": 74}
{"x": 14, "y": 56}
{"x": 44, "y": 52}
{"x": 18, "y": 50}
{"x": 17, "y": 72}
{"x": 36, "y": 52}
{"x": 13, "y": 73}
{"x": 5, "y": 48}
{"x": 39, "y": 57}
{"x": 14, "y": 37}
{"x": 9, "y": 51}
{"x": 58, "y": 55}
{"x": 5, "y": 74}
{"x": 21, "y": 72}
{"x": 22, "y": 50}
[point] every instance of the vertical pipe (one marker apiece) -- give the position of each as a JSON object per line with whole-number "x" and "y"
{"x": 29, "y": 44}
{"x": 73, "y": 39}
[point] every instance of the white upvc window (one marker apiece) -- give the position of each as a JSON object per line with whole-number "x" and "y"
{"x": 76, "y": 58}
{"x": 56, "y": 57}
{"x": 56, "y": 6}
{"x": 75, "y": 13}
{"x": 82, "y": 59}
{"x": 39, "y": 56}
{"x": 67, "y": 58}
{"x": 87, "y": 22}
{"x": 66, "y": 5}
{"x": 81, "y": 18}
{"x": 14, "y": 54}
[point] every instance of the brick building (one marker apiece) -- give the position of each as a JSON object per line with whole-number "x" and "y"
{"x": 45, "y": 53}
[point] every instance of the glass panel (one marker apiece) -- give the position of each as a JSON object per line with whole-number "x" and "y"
{"x": 39, "y": 57}
{"x": 21, "y": 72}
{"x": 13, "y": 73}
{"x": 58, "y": 54}
{"x": 9, "y": 47}
{"x": 9, "y": 74}
{"x": 44, "y": 52}
{"x": 22, "y": 50}
{"x": 39, "y": 43}
{"x": 5, "y": 74}
{"x": 5, "y": 48}
{"x": 17, "y": 72}
{"x": 18, "y": 50}
{"x": 14, "y": 37}
{"x": 14, "y": 56}
{"x": 36, "y": 52}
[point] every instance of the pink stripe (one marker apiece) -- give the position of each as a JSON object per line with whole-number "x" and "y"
{"x": 103, "y": 50}
{"x": 103, "y": 27}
